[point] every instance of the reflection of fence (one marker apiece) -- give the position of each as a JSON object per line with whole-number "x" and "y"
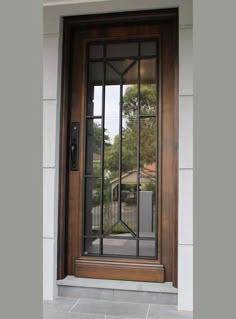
{"x": 110, "y": 217}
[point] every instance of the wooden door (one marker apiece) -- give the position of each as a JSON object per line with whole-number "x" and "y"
{"x": 118, "y": 150}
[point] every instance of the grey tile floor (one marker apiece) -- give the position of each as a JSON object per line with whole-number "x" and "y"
{"x": 67, "y": 308}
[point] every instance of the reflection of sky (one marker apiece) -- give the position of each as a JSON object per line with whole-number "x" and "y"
{"x": 112, "y": 101}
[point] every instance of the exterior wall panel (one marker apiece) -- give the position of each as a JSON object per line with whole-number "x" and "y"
{"x": 185, "y": 274}
{"x": 49, "y": 132}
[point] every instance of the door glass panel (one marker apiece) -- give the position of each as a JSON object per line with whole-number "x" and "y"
{"x": 94, "y": 89}
{"x": 147, "y": 203}
{"x": 148, "y": 150}
{"x": 121, "y": 50}
{"x": 96, "y": 51}
{"x": 119, "y": 247}
{"x": 147, "y": 248}
{"x": 121, "y": 66}
{"x": 119, "y": 228}
{"x": 129, "y": 154}
{"x": 148, "y": 89}
{"x": 148, "y": 48}
{"x": 92, "y": 206}
{"x": 93, "y": 147}
{"x": 111, "y": 149}
{"x": 110, "y": 205}
{"x": 91, "y": 246}
{"x": 121, "y": 147}
{"x": 95, "y": 73}
{"x": 148, "y": 181}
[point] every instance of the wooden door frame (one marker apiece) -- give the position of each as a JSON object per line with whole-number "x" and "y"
{"x": 69, "y": 23}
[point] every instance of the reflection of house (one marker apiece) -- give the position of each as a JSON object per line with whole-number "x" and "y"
{"x": 96, "y": 157}
{"x": 96, "y": 161}
{"x": 147, "y": 176}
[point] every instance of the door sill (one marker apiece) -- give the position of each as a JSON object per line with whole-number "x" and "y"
{"x": 72, "y": 281}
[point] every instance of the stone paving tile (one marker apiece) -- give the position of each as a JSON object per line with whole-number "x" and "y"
{"x": 168, "y": 312}
{"x": 71, "y": 308}
{"x": 67, "y": 315}
{"x": 59, "y": 305}
{"x": 111, "y": 308}
{"x": 144, "y": 297}
{"x": 89, "y": 293}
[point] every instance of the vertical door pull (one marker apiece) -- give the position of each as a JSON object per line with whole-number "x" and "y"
{"x": 74, "y": 148}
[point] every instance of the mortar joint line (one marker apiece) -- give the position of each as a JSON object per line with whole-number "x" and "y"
{"x": 74, "y": 305}
{"x": 148, "y": 311}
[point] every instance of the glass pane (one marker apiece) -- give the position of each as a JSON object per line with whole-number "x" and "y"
{"x": 96, "y": 51}
{"x": 147, "y": 205}
{"x": 92, "y": 206}
{"x": 130, "y": 126}
{"x": 112, "y": 76}
{"x": 119, "y": 228}
{"x": 93, "y": 147}
{"x": 147, "y": 248}
{"x": 120, "y": 179}
{"x": 148, "y": 182}
{"x": 129, "y": 198}
{"x": 94, "y": 89}
{"x": 111, "y": 149}
{"x": 118, "y": 246}
{"x": 120, "y": 50}
{"x": 148, "y": 88}
{"x": 91, "y": 246}
{"x": 148, "y": 142}
{"x": 122, "y": 65}
{"x": 129, "y": 206}
{"x": 148, "y": 48}
{"x": 110, "y": 205}
{"x": 129, "y": 148}
{"x": 111, "y": 138}
{"x": 95, "y": 73}
{"x": 148, "y": 70}
{"x": 131, "y": 75}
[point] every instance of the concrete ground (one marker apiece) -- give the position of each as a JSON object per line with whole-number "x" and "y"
{"x": 83, "y": 308}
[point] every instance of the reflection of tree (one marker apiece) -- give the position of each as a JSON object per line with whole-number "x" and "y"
{"x": 147, "y": 100}
{"x": 97, "y": 143}
{"x": 151, "y": 187}
{"x": 129, "y": 132}
{"x": 97, "y": 138}
{"x": 129, "y": 155}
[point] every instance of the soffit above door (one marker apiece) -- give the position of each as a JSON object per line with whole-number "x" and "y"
{"x": 63, "y": 2}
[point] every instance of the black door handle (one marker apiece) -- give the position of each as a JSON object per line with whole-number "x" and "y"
{"x": 73, "y": 155}
{"x": 74, "y": 148}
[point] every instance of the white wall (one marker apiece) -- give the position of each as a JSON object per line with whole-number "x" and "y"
{"x": 185, "y": 247}
{"x": 50, "y": 167}
{"x": 51, "y": 110}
